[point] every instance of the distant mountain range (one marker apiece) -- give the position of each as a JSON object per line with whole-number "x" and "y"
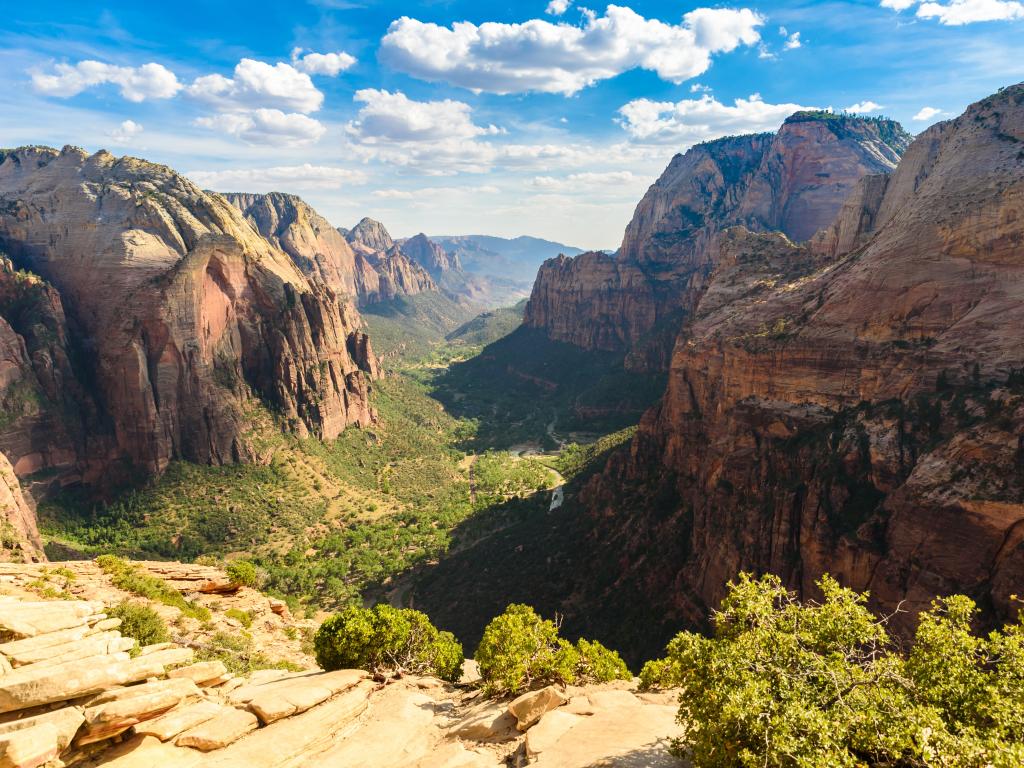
{"x": 511, "y": 259}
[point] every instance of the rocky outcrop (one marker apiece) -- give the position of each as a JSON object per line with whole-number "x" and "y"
{"x": 184, "y": 312}
{"x": 397, "y": 274}
{"x": 431, "y": 256}
{"x": 72, "y": 694}
{"x": 19, "y": 536}
{"x": 794, "y": 181}
{"x": 321, "y": 251}
{"x": 852, "y": 406}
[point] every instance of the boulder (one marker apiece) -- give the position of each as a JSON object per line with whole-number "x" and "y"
{"x": 532, "y": 705}
{"x": 30, "y": 686}
{"x": 224, "y": 728}
{"x": 179, "y": 719}
{"x": 29, "y": 619}
{"x": 38, "y": 738}
{"x": 202, "y": 672}
{"x": 119, "y": 710}
{"x": 490, "y": 722}
{"x": 299, "y": 695}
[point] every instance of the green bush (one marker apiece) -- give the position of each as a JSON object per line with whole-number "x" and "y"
{"x": 519, "y": 650}
{"x": 243, "y": 617}
{"x": 821, "y": 685}
{"x": 384, "y": 639}
{"x": 244, "y": 573}
{"x": 239, "y": 653}
{"x": 130, "y": 577}
{"x": 140, "y": 622}
{"x": 598, "y": 664}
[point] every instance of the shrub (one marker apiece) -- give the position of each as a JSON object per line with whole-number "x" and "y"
{"x": 520, "y": 650}
{"x": 129, "y": 577}
{"x": 239, "y": 653}
{"x": 244, "y": 573}
{"x": 243, "y": 617}
{"x": 140, "y": 622}
{"x": 820, "y": 684}
{"x": 598, "y": 664}
{"x": 384, "y": 639}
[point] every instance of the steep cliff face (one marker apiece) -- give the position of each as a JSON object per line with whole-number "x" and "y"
{"x": 183, "y": 311}
{"x": 794, "y": 181}
{"x": 854, "y": 406}
{"x": 19, "y": 536}
{"x": 431, "y": 256}
{"x": 321, "y": 251}
{"x": 395, "y": 273}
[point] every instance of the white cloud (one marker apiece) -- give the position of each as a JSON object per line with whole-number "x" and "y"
{"x": 392, "y": 194}
{"x": 305, "y": 176}
{"x": 329, "y": 64}
{"x": 393, "y": 117}
{"x": 150, "y": 81}
{"x": 539, "y": 55}
{"x": 959, "y": 12}
{"x": 927, "y": 113}
{"x": 266, "y": 126}
{"x": 558, "y": 7}
{"x": 699, "y": 88}
{"x": 258, "y": 85}
{"x": 793, "y": 42}
{"x": 693, "y": 120}
{"x": 126, "y": 132}
{"x": 588, "y": 181}
{"x": 863, "y": 107}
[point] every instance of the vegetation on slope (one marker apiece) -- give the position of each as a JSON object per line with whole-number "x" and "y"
{"x": 822, "y": 684}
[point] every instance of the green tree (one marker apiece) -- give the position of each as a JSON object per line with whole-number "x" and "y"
{"x": 386, "y": 639}
{"x": 820, "y": 684}
{"x": 140, "y": 622}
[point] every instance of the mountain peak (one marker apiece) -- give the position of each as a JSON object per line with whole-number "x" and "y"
{"x": 372, "y": 234}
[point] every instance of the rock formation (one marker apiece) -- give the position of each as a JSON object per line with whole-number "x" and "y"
{"x": 182, "y": 313}
{"x": 72, "y": 694}
{"x": 793, "y": 181}
{"x": 320, "y": 250}
{"x": 431, "y": 256}
{"x": 854, "y": 406}
{"x": 19, "y": 536}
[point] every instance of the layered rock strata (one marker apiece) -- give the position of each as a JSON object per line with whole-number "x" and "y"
{"x": 793, "y": 181}
{"x": 853, "y": 406}
{"x": 183, "y": 313}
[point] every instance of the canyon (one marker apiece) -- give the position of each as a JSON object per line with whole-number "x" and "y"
{"x": 850, "y": 404}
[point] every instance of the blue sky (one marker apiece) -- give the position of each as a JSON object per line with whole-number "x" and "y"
{"x": 454, "y": 117}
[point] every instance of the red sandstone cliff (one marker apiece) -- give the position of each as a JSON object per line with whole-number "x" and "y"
{"x": 182, "y": 313}
{"x": 794, "y": 181}
{"x": 854, "y": 406}
{"x": 397, "y": 274}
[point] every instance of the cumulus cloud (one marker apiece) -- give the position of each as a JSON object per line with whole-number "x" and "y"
{"x": 329, "y": 64}
{"x": 393, "y": 117}
{"x": 258, "y": 85}
{"x": 792, "y": 42}
{"x": 150, "y": 81}
{"x": 558, "y": 7}
{"x": 266, "y": 126}
{"x": 305, "y": 176}
{"x": 926, "y": 113}
{"x": 864, "y": 107}
{"x": 959, "y": 12}
{"x": 126, "y": 132}
{"x": 693, "y": 120}
{"x": 539, "y": 55}
{"x": 588, "y": 181}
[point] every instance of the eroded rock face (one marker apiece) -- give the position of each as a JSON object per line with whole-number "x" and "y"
{"x": 321, "y": 251}
{"x": 854, "y": 406}
{"x": 429, "y": 255}
{"x": 19, "y": 536}
{"x": 794, "y": 181}
{"x": 184, "y": 311}
{"x": 397, "y": 274}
